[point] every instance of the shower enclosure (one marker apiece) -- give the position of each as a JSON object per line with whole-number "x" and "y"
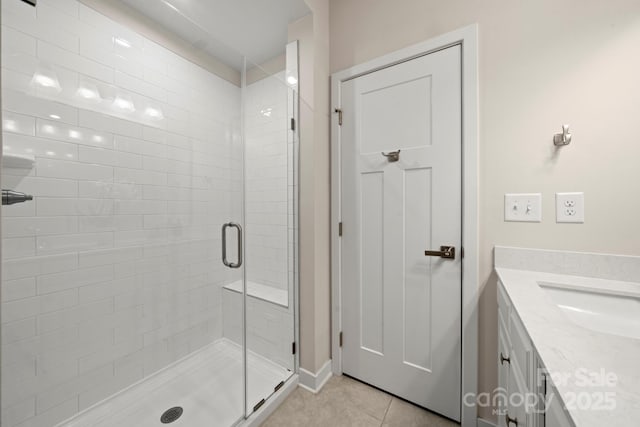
{"x": 152, "y": 276}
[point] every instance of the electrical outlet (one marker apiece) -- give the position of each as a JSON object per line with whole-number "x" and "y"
{"x": 570, "y": 207}
{"x": 525, "y": 207}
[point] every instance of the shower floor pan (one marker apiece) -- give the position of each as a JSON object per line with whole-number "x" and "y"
{"x": 208, "y": 386}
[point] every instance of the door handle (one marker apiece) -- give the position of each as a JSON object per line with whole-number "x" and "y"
{"x": 9, "y": 197}
{"x": 510, "y": 420}
{"x": 224, "y": 245}
{"x": 504, "y": 359}
{"x": 448, "y": 252}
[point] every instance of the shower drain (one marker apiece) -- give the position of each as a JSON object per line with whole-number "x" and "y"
{"x": 170, "y": 415}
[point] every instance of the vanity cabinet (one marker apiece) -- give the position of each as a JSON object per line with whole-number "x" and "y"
{"x": 523, "y": 386}
{"x": 514, "y": 367}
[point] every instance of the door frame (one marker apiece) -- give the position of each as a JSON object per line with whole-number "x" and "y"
{"x": 467, "y": 38}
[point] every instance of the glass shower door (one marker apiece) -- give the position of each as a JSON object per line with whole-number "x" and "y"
{"x": 270, "y": 114}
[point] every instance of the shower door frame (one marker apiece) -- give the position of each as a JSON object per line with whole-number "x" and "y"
{"x": 293, "y": 129}
{"x": 293, "y": 379}
{"x": 260, "y": 415}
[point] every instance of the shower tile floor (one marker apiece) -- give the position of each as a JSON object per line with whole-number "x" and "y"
{"x": 207, "y": 385}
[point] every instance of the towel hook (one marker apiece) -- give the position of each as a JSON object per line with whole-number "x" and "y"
{"x": 563, "y": 138}
{"x": 392, "y": 156}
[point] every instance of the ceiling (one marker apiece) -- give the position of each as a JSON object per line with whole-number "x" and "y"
{"x": 227, "y": 29}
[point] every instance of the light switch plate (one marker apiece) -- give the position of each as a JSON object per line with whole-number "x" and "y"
{"x": 570, "y": 207}
{"x": 525, "y": 207}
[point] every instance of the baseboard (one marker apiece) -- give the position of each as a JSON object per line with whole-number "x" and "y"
{"x": 485, "y": 423}
{"x": 314, "y": 382}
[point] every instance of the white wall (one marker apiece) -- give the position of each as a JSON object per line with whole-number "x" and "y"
{"x": 542, "y": 64}
{"x": 312, "y": 32}
{"x": 113, "y": 271}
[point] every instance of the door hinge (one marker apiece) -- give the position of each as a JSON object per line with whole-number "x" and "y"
{"x": 340, "y": 339}
{"x": 461, "y": 252}
{"x": 293, "y": 348}
{"x": 340, "y": 229}
{"x": 258, "y": 405}
{"x": 293, "y": 123}
{"x": 279, "y": 386}
{"x": 339, "y": 111}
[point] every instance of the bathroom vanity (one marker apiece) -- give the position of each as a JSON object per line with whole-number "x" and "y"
{"x": 568, "y": 339}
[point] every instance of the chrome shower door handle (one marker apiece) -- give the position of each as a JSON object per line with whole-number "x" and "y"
{"x": 224, "y": 245}
{"x": 239, "y": 228}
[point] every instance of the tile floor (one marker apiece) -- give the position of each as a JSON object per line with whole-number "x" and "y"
{"x": 344, "y": 402}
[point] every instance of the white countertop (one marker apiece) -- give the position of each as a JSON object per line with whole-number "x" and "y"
{"x": 564, "y": 347}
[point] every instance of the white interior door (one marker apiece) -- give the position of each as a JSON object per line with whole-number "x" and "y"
{"x": 401, "y": 309}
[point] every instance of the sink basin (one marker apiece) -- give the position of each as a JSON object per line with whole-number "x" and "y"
{"x": 597, "y": 310}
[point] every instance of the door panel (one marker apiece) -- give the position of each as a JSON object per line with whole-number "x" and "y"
{"x": 382, "y": 122}
{"x": 401, "y": 309}
{"x": 372, "y": 256}
{"x": 417, "y": 280}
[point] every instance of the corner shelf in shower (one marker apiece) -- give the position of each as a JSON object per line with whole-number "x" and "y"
{"x": 260, "y": 291}
{"x": 18, "y": 161}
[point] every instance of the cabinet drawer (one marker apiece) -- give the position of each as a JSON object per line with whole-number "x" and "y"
{"x": 503, "y": 324}
{"x": 520, "y": 349}
{"x": 504, "y": 305}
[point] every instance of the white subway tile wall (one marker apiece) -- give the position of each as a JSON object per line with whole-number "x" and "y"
{"x": 113, "y": 271}
{"x": 269, "y": 327}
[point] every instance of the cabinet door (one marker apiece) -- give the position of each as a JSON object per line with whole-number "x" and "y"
{"x": 539, "y": 387}
{"x": 504, "y": 351}
{"x": 521, "y": 349}
{"x": 555, "y": 415}
{"x": 517, "y": 414}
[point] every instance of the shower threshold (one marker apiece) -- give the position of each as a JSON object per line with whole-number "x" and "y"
{"x": 207, "y": 385}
